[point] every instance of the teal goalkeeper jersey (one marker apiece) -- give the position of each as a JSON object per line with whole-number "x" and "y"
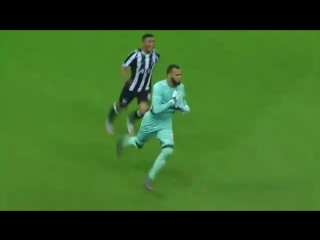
{"x": 161, "y": 109}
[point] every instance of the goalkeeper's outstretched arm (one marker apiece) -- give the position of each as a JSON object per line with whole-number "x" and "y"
{"x": 157, "y": 107}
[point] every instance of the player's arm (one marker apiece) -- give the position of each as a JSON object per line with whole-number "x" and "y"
{"x": 185, "y": 107}
{"x": 157, "y": 107}
{"x": 184, "y": 101}
{"x": 183, "y": 95}
{"x": 127, "y": 62}
{"x": 157, "y": 59}
{"x": 158, "y": 56}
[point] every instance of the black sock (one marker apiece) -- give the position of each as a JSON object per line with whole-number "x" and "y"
{"x": 112, "y": 113}
{"x": 136, "y": 115}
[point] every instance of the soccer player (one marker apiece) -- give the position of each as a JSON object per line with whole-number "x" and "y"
{"x": 141, "y": 62}
{"x": 168, "y": 97}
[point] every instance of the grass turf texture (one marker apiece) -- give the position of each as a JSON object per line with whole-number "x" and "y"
{"x": 251, "y": 141}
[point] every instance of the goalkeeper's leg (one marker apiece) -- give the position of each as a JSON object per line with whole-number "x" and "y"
{"x": 166, "y": 140}
{"x": 133, "y": 141}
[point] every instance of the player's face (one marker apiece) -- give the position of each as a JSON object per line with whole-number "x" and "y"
{"x": 175, "y": 76}
{"x": 149, "y": 44}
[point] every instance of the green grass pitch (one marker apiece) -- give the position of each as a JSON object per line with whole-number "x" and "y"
{"x": 251, "y": 141}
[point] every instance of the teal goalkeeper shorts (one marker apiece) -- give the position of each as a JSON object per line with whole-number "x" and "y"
{"x": 163, "y": 131}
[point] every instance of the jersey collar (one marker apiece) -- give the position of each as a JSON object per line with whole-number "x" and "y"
{"x": 146, "y": 54}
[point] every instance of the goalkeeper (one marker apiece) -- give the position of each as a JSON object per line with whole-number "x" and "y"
{"x": 168, "y": 97}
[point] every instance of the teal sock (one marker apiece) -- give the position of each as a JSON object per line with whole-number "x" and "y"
{"x": 159, "y": 163}
{"x": 130, "y": 141}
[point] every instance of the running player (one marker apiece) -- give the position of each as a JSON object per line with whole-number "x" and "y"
{"x": 141, "y": 62}
{"x": 168, "y": 96}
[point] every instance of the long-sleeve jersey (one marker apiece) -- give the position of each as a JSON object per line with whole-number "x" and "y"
{"x": 161, "y": 108}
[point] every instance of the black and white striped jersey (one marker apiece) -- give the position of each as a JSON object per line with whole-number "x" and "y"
{"x": 141, "y": 65}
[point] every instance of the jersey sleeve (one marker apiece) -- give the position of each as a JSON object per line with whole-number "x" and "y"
{"x": 184, "y": 101}
{"x": 130, "y": 58}
{"x": 157, "y": 107}
{"x": 158, "y": 56}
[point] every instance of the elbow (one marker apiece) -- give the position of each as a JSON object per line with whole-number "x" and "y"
{"x": 155, "y": 110}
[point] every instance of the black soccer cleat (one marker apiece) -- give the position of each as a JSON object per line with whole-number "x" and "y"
{"x": 120, "y": 146}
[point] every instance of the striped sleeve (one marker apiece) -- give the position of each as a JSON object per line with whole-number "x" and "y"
{"x": 131, "y": 57}
{"x": 158, "y": 56}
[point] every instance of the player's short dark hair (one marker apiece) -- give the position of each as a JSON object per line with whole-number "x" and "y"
{"x": 147, "y": 35}
{"x": 171, "y": 67}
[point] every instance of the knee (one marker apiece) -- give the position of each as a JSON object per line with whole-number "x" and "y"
{"x": 121, "y": 105}
{"x": 143, "y": 107}
{"x": 167, "y": 151}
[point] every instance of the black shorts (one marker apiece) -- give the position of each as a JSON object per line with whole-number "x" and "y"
{"x": 126, "y": 96}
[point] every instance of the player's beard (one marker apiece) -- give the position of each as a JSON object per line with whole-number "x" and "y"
{"x": 175, "y": 83}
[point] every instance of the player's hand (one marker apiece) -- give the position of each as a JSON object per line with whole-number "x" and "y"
{"x": 175, "y": 97}
{"x": 185, "y": 109}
